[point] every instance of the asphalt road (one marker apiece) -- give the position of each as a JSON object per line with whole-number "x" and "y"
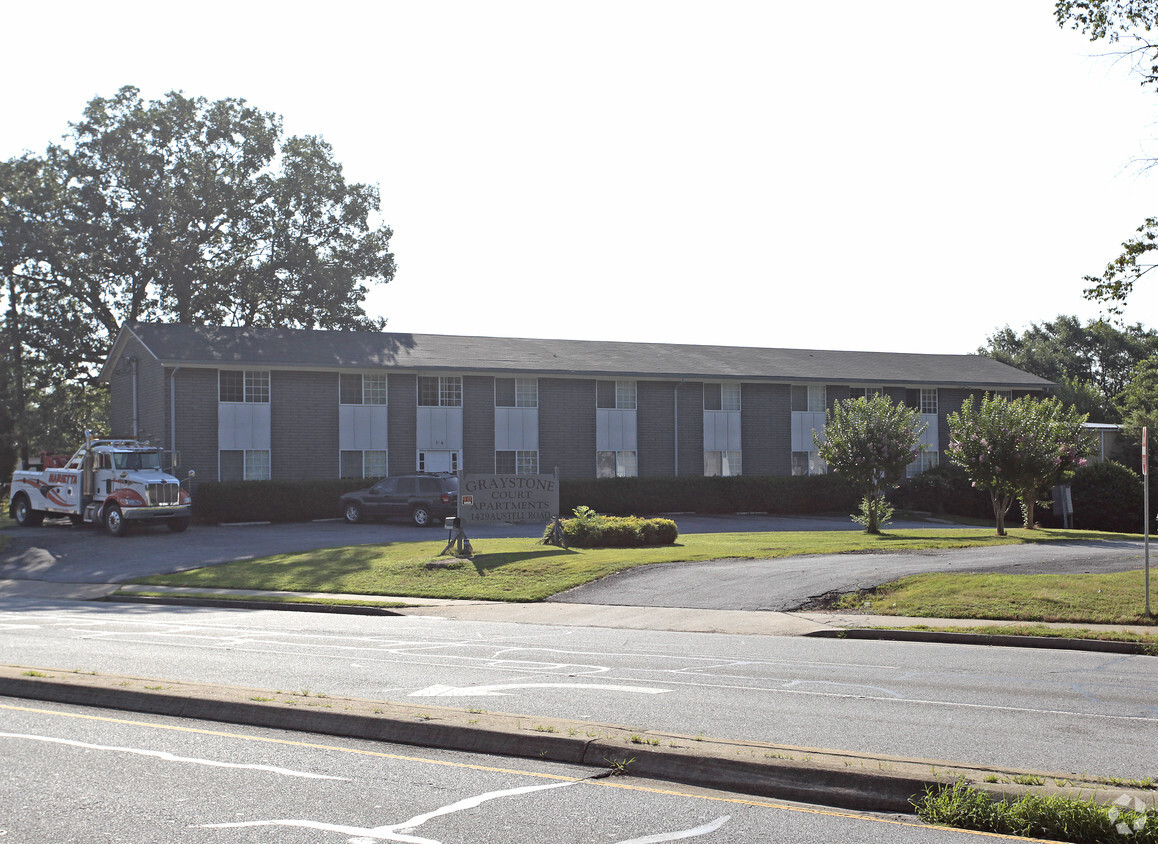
{"x": 1061, "y": 711}
{"x": 78, "y": 775}
{"x": 791, "y": 583}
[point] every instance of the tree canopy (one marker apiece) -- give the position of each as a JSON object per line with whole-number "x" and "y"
{"x": 871, "y": 441}
{"x": 1017, "y": 448}
{"x": 1128, "y": 24}
{"x": 1091, "y": 363}
{"x": 182, "y": 210}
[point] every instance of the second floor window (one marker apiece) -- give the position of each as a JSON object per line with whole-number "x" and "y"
{"x": 440, "y": 391}
{"x": 249, "y": 386}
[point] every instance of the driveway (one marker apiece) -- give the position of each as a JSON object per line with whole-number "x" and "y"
{"x": 59, "y": 553}
{"x": 791, "y": 583}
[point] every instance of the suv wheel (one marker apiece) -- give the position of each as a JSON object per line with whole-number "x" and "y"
{"x": 421, "y": 516}
{"x": 353, "y": 513}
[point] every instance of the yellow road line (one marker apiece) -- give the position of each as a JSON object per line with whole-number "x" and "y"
{"x": 606, "y": 783}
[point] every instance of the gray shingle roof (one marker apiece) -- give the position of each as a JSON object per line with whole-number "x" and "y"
{"x": 297, "y": 348}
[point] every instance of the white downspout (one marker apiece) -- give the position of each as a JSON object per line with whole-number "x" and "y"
{"x": 136, "y": 411}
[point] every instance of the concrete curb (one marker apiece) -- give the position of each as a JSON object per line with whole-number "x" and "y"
{"x": 828, "y": 777}
{"x": 991, "y": 639}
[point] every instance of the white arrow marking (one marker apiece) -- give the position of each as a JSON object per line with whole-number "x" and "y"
{"x": 463, "y": 691}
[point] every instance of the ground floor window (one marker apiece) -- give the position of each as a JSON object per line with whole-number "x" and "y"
{"x": 438, "y": 461}
{"x": 616, "y": 464}
{"x": 808, "y": 463}
{"x": 517, "y": 462}
{"x": 722, "y": 463}
{"x": 925, "y": 461}
{"x": 363, "y": 464}
{"x": 247, "y": 465}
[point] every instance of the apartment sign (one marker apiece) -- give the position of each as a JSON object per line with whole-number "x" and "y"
{"x": 497, "y": 499}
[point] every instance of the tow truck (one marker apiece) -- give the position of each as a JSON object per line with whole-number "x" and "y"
{"x": 108, "y": 482}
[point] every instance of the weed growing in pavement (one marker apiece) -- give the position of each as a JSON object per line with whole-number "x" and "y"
{"x": 619, "y": 766}
{"x": 262, "y": 699}
{"x": 35, "y": 674}
{"x": 1028, "y": 779}
{"x": 1036, "y": 816}
{"x": 542, "y": 728}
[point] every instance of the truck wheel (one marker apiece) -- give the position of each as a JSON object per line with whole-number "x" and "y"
{"x": 353, "y": 513}
{"x": 421, "y": 517}
{"x": 23, "y": 513}
{"x": 115, "y": 521}
{"x": 179, "y": 524}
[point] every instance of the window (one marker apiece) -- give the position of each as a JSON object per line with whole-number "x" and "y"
{"x": 363, "y": 464}
{"x": 721, "y": 397}
{"x": 249, "y": 386}
{"x": 808, "y": 463}
{"x": 616, "y": 464}
{"x": 438, "y": 461}
{"x": 615, "y": 395}
{"x": 722, "y": 463}
{"x": 925, "y": 461}
{"x": 248, "y": 465}
{"x": 362, "y": 389}
{"x": 929, "y": 400}
{"x": 864, "y": 392}
{"x": 440, "y": 391}
{"x": 516, "y": 392}
{"x": 517, "y": 462}
{"x": 810, "y": 398}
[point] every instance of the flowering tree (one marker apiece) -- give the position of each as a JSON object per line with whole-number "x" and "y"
{"x": 1016, "y": 448}
{"x": 871, "y": 441}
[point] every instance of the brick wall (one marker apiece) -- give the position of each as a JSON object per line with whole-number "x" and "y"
{"x": 402, "y": 415}
{"x": 196, "y": 421}
{"x": 766, "y": 429}
{"x": 152, "y": 411}
{"x": 303, "y": 410}
{"x": 567, "y": 427}
{"x": 691, "y": 418}
{"x": 654, "y": 427}
{"x": 478, "y": 424}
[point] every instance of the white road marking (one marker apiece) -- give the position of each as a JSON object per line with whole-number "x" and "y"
{"x": 498, "y": 689}
{"x": 685, "y": 833}
{"x": 160, "y": 754}
{"x": 396, "y": 832}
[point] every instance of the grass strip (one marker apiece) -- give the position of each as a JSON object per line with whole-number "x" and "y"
{"x": 1041, "y": 630}
{"x": 1114, "y": 598}
{"x": 524, "y": 570}
{"x": 1055, "y": 818}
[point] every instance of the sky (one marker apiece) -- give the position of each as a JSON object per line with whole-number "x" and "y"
{"x": 898, "y": 176}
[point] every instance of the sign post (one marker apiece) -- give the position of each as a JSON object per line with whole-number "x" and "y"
{"x": 1146, "y": 511}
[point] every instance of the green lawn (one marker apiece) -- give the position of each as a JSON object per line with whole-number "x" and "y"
{"x": 1117, "y": 598}
{"x": 523, "y": 570}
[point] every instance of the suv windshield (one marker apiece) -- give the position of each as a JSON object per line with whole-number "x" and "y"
{"x": 137, "y": 460}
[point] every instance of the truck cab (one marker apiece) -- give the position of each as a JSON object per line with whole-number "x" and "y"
{"x": 113, "y": 483}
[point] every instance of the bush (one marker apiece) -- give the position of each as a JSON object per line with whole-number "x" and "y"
{"x": 944, "y": 490}
{"x": 1107, "y": 496}
{"x": 271, "y": 501}
{"x": 786, "y": 495}
{"x": 589, "y": 529}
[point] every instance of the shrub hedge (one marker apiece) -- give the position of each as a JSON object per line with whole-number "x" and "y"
{"x": 943, "y": 490}
{"x": 1107, "y": 496}
{"x": 270, "y": 501}
{"x": 595, "y": 531}
{"x": 295, "y": 501}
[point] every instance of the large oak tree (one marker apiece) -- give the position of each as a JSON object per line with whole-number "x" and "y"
{"x": 182, "y": 210}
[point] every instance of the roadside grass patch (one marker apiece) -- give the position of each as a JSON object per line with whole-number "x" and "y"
{"x": 525, "y": 570}
{"x": 1036, "y": 816}
{"x": 1115, "y": 598}
{"x": 1039, "y": 630}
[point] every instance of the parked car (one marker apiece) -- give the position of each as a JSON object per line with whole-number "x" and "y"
{"x": 422, "y": 497}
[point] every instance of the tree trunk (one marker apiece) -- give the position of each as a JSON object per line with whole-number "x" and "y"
{"x": 1000, "y": 508}
{"x": 1029, "y": 501}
